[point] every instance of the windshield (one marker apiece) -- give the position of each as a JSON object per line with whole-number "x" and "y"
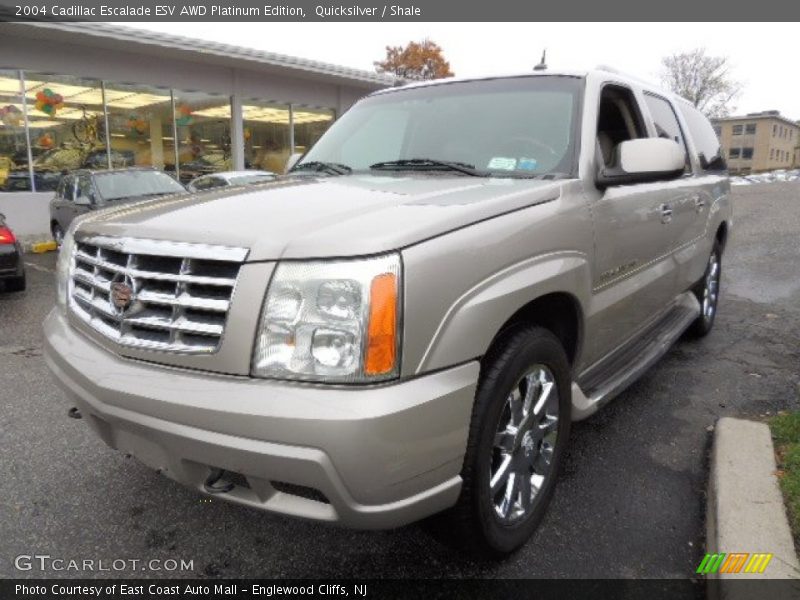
{"x": 522, "y": 126}
{"x": 130, "y": 184}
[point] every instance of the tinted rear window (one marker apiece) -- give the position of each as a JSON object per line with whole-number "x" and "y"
{"x": 705, "y": 138}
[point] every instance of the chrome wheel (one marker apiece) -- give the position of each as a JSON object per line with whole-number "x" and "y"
{"x": 711, "y": 287}
{"x": 523, "y": 447}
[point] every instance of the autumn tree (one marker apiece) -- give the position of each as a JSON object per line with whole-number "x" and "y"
{"x": 703, "y": 80}
{"x": 418, "y": 60}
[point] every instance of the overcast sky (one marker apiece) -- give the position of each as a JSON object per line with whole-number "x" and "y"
{"x": 763, "y": 55}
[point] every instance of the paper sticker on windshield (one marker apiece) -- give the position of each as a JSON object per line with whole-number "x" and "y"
{"x": 502, "y": 163}
{"x": 527, "y": 164}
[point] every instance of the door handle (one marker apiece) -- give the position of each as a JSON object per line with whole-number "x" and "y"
{"x": 699, "y": 203}
{"x": 666, "y": 213}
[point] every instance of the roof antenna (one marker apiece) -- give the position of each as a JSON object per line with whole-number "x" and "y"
{"x": 542, "y": 66}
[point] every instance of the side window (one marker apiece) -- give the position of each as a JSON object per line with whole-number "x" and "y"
{"x": 209, "y": 182}
{"x": 706, "y": 142}
{"x": 666, "y": 121}
{"x": 618, "y": 120}
{"x": 203, "y": 183}
{"x": 85, "y": 188}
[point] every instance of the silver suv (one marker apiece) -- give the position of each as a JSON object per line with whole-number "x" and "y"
{"x": 408, "y": 322}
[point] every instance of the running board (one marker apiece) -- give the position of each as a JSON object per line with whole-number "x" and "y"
{"x": 621, "y": 369}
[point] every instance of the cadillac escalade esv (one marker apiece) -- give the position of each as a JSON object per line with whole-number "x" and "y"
{"x": 409, "y": 321}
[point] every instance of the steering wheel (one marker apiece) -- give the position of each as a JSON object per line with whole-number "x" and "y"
{"x": 525, "y": 144}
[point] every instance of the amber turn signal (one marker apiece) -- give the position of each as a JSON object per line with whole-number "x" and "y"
{"x": 382, "y": 331}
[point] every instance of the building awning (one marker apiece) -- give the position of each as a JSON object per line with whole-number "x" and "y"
{"x": 117, "y": 38}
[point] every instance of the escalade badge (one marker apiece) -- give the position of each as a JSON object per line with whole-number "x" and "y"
{"x": 121, "y": 296}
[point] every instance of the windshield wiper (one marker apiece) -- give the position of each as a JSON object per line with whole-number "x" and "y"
{"x": 324, "y": 167}
{"x": 429, "y": 164}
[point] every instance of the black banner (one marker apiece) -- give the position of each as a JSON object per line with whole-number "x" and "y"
{"x": 518, "y": 589}
{"x": 396, "y": 11}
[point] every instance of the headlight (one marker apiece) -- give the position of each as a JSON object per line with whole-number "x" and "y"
{"x": 331, "y": 321}
{"x": 63, "y": 266}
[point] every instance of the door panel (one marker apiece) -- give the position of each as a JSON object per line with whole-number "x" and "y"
{"x": 634, "y": 274}
{"x": 696, "y": 239}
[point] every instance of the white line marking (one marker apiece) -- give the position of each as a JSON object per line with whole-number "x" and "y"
{"x": 36, "y": 267}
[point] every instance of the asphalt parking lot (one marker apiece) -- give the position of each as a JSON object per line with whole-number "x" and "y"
{"x": 630, "y": 502}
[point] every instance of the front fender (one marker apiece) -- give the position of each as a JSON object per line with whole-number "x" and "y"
{"x": 472, "y": 321}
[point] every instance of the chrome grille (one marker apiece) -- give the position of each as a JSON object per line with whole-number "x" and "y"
{"x": 181, "y": 293}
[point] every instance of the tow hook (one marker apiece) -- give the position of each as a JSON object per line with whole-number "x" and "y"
{"x": 74, "y": 413}
{"x": 212, "y": 484}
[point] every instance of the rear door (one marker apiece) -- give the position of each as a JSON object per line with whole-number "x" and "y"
{"x": 711, "y": 187}
{"x": 684, "y": 203}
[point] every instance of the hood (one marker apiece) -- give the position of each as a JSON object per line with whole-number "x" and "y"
{"x": 307, "y": 217}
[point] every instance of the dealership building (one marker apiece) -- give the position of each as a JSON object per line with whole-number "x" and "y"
{"x": 92, "y": 95}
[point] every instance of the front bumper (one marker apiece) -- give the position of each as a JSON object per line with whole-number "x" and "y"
{"x": 382, "y": 456}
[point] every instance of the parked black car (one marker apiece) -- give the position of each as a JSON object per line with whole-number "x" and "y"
{"x": 12, "y": 266}
{"x": 84, "y": 190}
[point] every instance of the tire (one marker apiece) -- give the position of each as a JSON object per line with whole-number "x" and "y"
{"x": 16, "y": 284}
{"x": 707, "y": 292}
{"x": 487, "y": 521}
{"x": 58, "y": 234}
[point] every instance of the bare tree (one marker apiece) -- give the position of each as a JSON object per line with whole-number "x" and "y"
{"x": 703, "y": 80}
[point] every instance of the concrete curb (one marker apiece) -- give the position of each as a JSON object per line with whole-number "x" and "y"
{"x": 745, "y": 511}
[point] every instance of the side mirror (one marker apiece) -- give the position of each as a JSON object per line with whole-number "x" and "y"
{"x": 642, "y": 161}
{"x": 292, "y": 161}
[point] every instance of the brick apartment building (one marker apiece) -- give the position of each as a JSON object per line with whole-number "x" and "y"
{"x": 762, "y": 141}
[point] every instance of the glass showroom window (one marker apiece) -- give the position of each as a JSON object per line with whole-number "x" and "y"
{"x": 309, "y": 125}
{"x": 13, "y": 146}
{"x": 267, "y": 136}
{"x": 67, "y": 126}
{"x": 140, "y": 126}
{"x": 203, "y": 124}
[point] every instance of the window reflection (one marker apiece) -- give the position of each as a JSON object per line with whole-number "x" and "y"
{"x": 309, "y": 125}
{"x": 13, "y": 147}
{"x": 140, "y": 126}
{"x": 267, "y": 136}
{"x": 70, "y": 128}
{"x": 67, "y": 126}
{"x": 203, "y": 122}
